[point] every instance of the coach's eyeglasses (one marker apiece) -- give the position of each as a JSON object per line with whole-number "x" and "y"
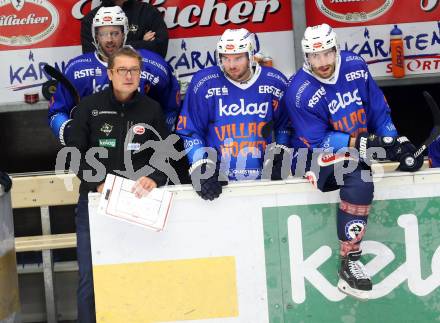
{"x": 122, "y": 71}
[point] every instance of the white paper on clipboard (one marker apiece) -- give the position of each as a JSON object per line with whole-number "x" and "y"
{"x": 118, "y": 201}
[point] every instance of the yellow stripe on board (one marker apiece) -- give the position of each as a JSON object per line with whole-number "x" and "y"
{"x": 162, "y": 291}
{"x": 9, "y": 299}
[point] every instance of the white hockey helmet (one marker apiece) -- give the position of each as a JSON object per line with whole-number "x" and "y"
{"x": 236, "y": 41}
{"x": 318, "y": 38}
{"x": 109, "y": 16}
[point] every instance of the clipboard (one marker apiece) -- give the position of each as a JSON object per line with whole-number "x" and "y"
{"x": 117, "y": 201}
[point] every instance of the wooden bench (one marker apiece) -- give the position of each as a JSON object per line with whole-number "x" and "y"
{"x": 45, "y": 242}
{"x": 44, "y": 190}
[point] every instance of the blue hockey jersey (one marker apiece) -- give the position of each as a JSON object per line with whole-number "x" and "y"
{"x": 434, "y": 154}
{"x": 326, "y": 113}
{"x": 230, "y": 117}
{"x": 88, "y": 74}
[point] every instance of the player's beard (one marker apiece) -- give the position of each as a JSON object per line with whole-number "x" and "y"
{"x": 242, "y": 77}
{"x": 325, "y": 71}
{"x": 107, "y": 52}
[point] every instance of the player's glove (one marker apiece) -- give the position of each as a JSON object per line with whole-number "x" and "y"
{"x": 396, "y": 149}
{"x": 365, "y": 141}
{"x": 5, "y": 181}
{"x": 404, "y": 154}
{"x": 210, "y": 188}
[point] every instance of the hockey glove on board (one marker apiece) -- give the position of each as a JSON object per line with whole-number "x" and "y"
{"x": 210, "y": 188}
{"x": 397, "y": 149}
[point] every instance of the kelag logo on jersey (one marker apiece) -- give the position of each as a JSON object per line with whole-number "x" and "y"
{"x": 243, "y": 108}
{"x": 354, "y": 11}
{"x": 26, "y": 22}
{"x": 344, "y": 100}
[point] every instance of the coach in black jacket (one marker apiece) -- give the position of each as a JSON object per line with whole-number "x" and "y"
{"x": 119, "y": 121}
{"x": 147, "y": 28}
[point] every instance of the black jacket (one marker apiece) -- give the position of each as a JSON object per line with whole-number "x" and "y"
{"x": 142, "y": 17}
{"x": 101, "y": 121}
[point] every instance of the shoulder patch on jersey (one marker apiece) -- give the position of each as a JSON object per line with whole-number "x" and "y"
{"x": 82, "y": 59}
{"x": 349, "y": 56}
{"x": 353, "y": 58}
{"x": 155, "y": 63}
{"x": 277, "y": 76}
{"x": 204, "y": 79}
{"x": 300, "y": 92}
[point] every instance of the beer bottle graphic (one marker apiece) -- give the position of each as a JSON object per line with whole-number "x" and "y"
{"x": 397, "y": 55}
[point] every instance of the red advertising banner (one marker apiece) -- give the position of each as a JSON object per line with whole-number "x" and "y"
{"x": 348, "y": 13}
{"x": 34, "y": 33}
{"x": 57, "y": 23}
{"x": 40, "y": 23}
{"x": 197, "y": 18}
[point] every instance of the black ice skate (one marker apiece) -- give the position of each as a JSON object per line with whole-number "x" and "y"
{"x": 353, "y": 278}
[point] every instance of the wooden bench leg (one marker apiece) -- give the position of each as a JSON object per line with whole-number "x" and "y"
{"x": 49, "y": 291}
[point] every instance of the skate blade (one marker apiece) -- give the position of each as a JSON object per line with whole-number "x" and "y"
{"x": 362, "y": 295}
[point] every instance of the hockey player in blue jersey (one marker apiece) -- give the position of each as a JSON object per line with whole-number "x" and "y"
{"x": 223, "y": 118}
{"x": 334, "y": 104}
{"x": 88, "y": 73}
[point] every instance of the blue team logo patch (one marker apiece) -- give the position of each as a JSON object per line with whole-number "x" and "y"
{"x": 353, "y": 228}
